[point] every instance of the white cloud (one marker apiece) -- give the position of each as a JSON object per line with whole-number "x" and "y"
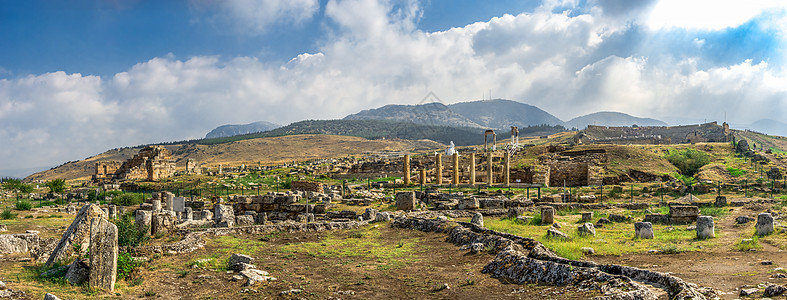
{"x": 709, "y": 14}
{"x": 567, "y": 64}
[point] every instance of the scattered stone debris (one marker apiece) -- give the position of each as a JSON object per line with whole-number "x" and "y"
{"x": 49, "y": 296}
{"x": 766, "y": 262}
{"x": 586, "y": 229}
{"x": 748, "y": 292}
{"x": 743, "y": 219}
{"x": 290, "y": 292}
{"x": 474, "y": 248}
{"x": 774, "y": 290}
{"x": 554, "y": 233}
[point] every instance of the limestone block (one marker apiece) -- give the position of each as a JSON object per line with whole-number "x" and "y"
{"x": 405, "y": 200}
{"x": 223, "y": 214}
{"x": 237, "y": 260}
{"x": 478, "y": 220}
{"x": 469, "y": 203}
{"x": 179, "y": 204}
{"x": 370, "y": 214}
{"x": 162, "y": 222}
{"x": 167, "y": 198}
{"x": 261, "y": 218}
{"x": 382, "y": 217}
{"x": 78, "y": 272}
{"x": 244, "y": 220}
{"x": 643, "y": 230}
{"x": 49, "y": 296}
{"x": 721, "y": 201}
{"x": 705, "y": 227}
{"x": 103, "y": 254}
{"x": 514, "y": 212}
{"x": 156, "y": 204}
{"x": 764, "y": 224}
{"x": 112, "y": 211}
{"x": 554, "y": 233}
{"x": 188, "y": 214}
{"x": 587, "y": 216}
{"x": 143, "y": 220}
{"x": 547, "y": 215}
{"x": 78, "y": 233}
{"x": 18, "y": 243}
{"x": 587, "y": 229}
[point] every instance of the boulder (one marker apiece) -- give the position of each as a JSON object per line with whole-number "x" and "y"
{"x": 382, "y": 217}
{"x": 469, "y": 203}
{"x": 478, "y": 220}
{"x": 643, "y": 230}
{"x": 705, "y": 228}
{"x": 514, "y": 212}
{"x": 764, "y": 224}
{"x": 743, "y": 219}
{"x": 18, "y": 243}
{"x": 103, "y": 254}
{"x": 587, "y": 229}
{"x": 370, "y": 214}
{"x": 236, "y": 261}
{"x": 49, "y": 296}
{"x": 77, "y": 235}
{"x": 244, "y": 220}
{"x": 619, "y": 218}
{"x": 774, "y": 290}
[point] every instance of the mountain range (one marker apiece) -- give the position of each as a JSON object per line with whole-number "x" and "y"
{"x": 231, "y": 130}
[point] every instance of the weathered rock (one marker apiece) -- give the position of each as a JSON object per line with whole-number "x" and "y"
{"x": 236, "y": 259}
{"x": 244, "y": 220}
{"x": 18, "y": 243}
{"x": 587, "y": 216}
{"x": 103, "y": 254}
{"x": 382, "y": 217}
{"x": 619, "y": 218}
{"x": 474, "y": 248}
{"x": 77, "y": 235}
{"x": 554, "y": 233}
{"x": 721, "y": 201}
{"x": 253, "y": 276}
{"x": 188, "y": 214}
{"x": 743, "y": 219}
{"x": 261, "y": 218}
{"x": 547, "y": 215}
{"x": 78, "y": 272}
{"x": 478, "y": 220}
{"x": 588, "y": 251}
{"x": 223, "y": 215}
{"x": 156, "y": 204}
{"x": 556, "y": 226}
{"x": 405, "y": 200}
{"x": 524, "y": 219}
{"x": 774, "y": 290}
{"x": 764, "y": 224}
{"x": 683, "y": 214}
{"x": 602, "y": 221}
{"x": 162, "y": 222}
{"x": 643, "y": 230}
{"x": 49, "y": 296}
{"x": 370, "y": 214}
{"x": 748, "y": 292}
{"x": 143, "y": 220}
{"x": 3, "y": 227}
{"x": 514, "y": 212}
{"x": 705, "y": 228}
{"x": 587, "y": 229}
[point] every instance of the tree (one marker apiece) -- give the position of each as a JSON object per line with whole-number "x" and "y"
{"x": 17, "y": 185}
{"x": 688, "y": 161}
{"x": 57, "y": 185}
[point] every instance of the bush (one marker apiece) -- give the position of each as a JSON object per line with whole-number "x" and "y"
{"x": 128, "y": 234}
{"x": 7, "y": 214}
{"x": 688, "y": 161}
{"x": 24, "y": 205}
{"x": 57, "y": 185}
{"x": 127, "y": 199}
{"x": 736, "y": 172}
{"x": 126, "y": 265}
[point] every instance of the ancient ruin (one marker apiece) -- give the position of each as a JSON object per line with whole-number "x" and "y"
{"x": 152, "y": 163}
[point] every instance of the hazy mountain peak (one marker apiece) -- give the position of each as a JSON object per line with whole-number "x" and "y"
{"x": 611, "y": 118}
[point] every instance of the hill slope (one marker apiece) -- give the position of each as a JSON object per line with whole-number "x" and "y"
{"x": 771, "y": 127}
{"x": 260, "y": 150}
{"x": 230, "y": 130}
{"x": 435, "y": 114}
{"x": 609, "y": 118}
{"x": 501, "y": 114}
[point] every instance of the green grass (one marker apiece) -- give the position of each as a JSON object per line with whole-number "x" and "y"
{"x": 715, "y": 212}
{"x": 612, "y": 239}
{"x": 734, "y": 172}
{"x": 748, "y": 244}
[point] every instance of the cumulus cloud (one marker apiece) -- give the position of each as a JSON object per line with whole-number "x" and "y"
{"x": 568, "y": 62}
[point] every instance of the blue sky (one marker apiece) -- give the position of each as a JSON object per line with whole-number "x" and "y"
{"x": 80, "y": 77}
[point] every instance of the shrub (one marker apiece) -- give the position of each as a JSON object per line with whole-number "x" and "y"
{"x": 128, "y": 234}
{"x": 7, "y": 214}
{"x": 57, "y": 185}
{"x": 24, "y": 205}
{"x": 127, "y": 199}
{"x": 126, "y": 265}
{"x": 736, "y": 172}
{"x": 688, "y": 161}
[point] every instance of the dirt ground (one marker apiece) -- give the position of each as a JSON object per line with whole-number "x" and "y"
{"x": 722, "y": 268}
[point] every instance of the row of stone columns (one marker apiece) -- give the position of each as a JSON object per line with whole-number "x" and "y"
{"x": 455, "y": 172}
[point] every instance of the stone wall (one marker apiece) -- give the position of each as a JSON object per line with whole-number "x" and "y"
{"x": 152, "y": 163}
{"x": 105, "y": 170}
{"x": 307, "y": 186}
{"x": 707, "y": 132}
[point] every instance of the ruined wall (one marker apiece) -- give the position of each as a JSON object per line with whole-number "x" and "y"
{"x": 708, "y": 132}
{"x": 105, "y": 170}
{"x": 151, "y": 163}
{"x": 306, "y": 186}
{"x": 568, "y": 173}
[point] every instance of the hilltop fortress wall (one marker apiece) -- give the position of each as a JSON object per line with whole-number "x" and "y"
{"x": 657, "y": 135}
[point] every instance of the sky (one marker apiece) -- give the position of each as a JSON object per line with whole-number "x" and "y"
{"x": 81, "y": 77}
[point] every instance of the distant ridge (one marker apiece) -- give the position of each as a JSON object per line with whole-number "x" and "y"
{"x": 769, "y": 126}
{"x": 230, "y": 130}
{"x": 426, "y": 114}
{"x": 501, "y": 113}
{"x": 609, "y": 118}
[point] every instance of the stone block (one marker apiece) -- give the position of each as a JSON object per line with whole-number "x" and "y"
{"x": 103, "y": 254}
{"x": 162, "y": 222}
{"x": 764, "y": 224}
{"x": 469, "y": 203}
{"x": 705, "y": 228}
{"x": 223, "y": 214}
{"x": 405, "y": 201}
{"x": 587, "y": 216}
{"x": 179, "y": 204}
{"x": 514, "y": 212}
{"x": 237, "y": 261}
{"x": 547, "y": 215}
{"x": 721, "y": 201}
{"x": 554, "y": 233}
{"x": 244, "y": 220}
{"x": 78, "y": 272}
{"x": 188, "y": 214}
{"x": 643, "y": 230}
{"x": 156, "y": 204}
{"x": 143, "y": 220}
{"x": 78, "y": 233}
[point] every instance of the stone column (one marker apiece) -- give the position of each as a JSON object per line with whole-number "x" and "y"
{"x": 456, "y": 168}
{"x": 472, "y": 168}
{"x": 507, "y": 169}
{"x": 489, "y": 179}
{"x": 439, "y": 168}
{"x": 422, "y": 178}
{"x": 406, "y": 169}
